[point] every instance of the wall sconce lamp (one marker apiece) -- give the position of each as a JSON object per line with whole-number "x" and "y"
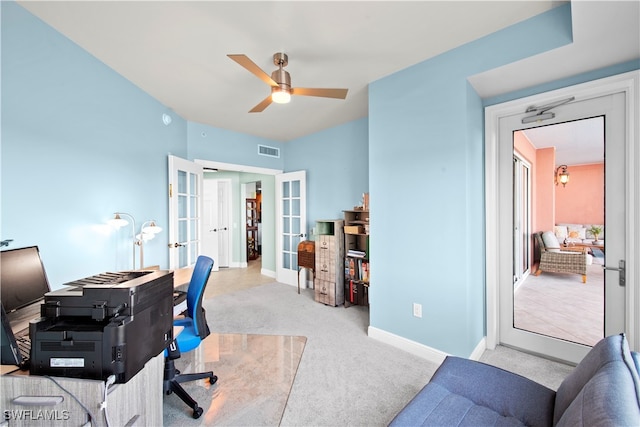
{"x": 148, "y": 231}
{"x": 561, "y": 175}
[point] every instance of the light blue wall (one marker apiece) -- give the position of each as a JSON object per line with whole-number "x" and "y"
{"x": 337, "y": 165}
{"x": 209, "y": 143}
{"x": 79, "y": 142}
{"x": 426, "y": 180}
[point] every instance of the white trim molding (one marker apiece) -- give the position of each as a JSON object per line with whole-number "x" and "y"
{"x": 627, "y": 83}
{"x": 421, "y": 350}
{"x": 236, "y": 168}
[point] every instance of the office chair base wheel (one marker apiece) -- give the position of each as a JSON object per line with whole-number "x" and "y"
{"x": 197, "y": 412}
{"x": 213, "y": 379}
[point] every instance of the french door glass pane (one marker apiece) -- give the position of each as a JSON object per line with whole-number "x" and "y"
{"x": 182, "y": 182}
{"x": 182, "y": 230}
{"x": 295, "y": 188}
{"x": 193, "y": 187}
{"x": 285, "y": 189}
{"x": 182, "y": 251}
{"x": 182, "y": 206}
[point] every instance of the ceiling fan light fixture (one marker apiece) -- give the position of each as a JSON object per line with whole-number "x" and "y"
{"x": 280, "y": 95}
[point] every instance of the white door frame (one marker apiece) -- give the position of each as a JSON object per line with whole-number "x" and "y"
{"x": 232, "y": 167}
{"x": 628, "y": 83}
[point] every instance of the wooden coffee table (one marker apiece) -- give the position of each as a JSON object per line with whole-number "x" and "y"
{"x": 581, "y": 247}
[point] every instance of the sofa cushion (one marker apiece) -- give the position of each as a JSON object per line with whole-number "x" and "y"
{"x": 437, "y": 406}
{"x": 597, "y": 392}
{"x": 478, "y": 392}
{"x": 550, "y": 241}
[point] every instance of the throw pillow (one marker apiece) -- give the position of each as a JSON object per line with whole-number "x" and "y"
{"x": 560, "y": 231}
{"x": 580, "y": 232}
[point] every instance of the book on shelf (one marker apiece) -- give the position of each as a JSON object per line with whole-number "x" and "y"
{"x": 356, "y": 253}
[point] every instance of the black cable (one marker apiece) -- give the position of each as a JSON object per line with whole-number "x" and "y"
{"x": 91, "y": 417}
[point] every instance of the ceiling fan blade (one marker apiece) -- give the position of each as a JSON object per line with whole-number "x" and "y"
{"x": 253, "y": 68}
{"x": 262, "y": 105}
{"x": 325, "y": 93}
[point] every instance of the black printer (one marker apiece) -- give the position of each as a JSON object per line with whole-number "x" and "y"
{"x": 111, "y": 323}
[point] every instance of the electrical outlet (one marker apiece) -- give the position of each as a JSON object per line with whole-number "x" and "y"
{"x": 417, "y": 309}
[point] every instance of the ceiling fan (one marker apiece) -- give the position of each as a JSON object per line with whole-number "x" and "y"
{"x": 280, "y": 82}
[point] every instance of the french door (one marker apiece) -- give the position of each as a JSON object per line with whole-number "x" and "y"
{"x": 185, "y": 212}
{"x": 612, "y": 109}
{"x": 291, "y": 223}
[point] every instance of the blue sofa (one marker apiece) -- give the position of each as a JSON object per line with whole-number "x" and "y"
{"x": 603, "y": 390}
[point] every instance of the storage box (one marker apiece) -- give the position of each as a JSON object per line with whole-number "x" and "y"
{"x": 353, "y": 229}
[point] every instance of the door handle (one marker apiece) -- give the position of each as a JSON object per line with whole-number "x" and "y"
{"x": 214, "y": 230}
{"x": 621, "y": 271}
{"x": 175, "y": 245}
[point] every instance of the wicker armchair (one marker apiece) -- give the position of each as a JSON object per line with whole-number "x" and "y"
{"x": 557, "y": 261}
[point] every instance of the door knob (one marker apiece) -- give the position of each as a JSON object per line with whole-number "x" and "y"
{"x": 175, "y": 245}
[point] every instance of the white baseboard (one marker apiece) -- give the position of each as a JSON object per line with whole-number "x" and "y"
{"x": 421, "y": 350}
{"x": 429, "y": 353}
{"x": 269, "y": 273}
{"x": 480, "y": 348}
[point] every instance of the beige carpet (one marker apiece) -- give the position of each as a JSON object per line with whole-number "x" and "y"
{"x": 255, "y": 374}
{"x": 560, "y": 305}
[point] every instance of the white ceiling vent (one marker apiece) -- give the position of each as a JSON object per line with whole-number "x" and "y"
{"x": 265, "y": 150}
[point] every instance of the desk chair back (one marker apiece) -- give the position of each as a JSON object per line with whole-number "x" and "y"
{"x": 195, "y": 294}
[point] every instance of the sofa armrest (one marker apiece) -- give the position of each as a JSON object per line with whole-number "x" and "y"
{"x": 504, "y": 392}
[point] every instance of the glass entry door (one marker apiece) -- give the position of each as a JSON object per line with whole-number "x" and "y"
{"x": 609, "y": 302}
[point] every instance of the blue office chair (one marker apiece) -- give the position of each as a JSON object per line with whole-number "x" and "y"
{"x": 195, "y": 330}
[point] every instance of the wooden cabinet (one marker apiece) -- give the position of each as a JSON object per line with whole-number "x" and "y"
{"x": 252, "y": 228}
{"x": 356, "y": 260}
{"x": 329, "y": 277}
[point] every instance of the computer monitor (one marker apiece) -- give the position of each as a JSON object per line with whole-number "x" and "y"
{"x": 23, "y": 280}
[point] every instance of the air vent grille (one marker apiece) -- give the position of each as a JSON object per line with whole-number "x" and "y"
{"x": 265, "y": 150}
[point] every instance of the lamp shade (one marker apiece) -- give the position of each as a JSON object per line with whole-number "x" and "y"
{"x": 117, "y": 221}
{"x": 151, "y": 228}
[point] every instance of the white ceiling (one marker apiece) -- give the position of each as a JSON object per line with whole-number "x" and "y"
{"x": 176, "y": 50}
{"x": 579, "y": 142}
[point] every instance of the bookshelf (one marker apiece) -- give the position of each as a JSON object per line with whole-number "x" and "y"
{"x": 329, "y": 279}
{"x": 252, "y": 228}
{"x": 356, "y": 259}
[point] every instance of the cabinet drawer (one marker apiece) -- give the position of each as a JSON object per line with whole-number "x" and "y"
{"x": 325, "y": 292}
{"x": 325, "y": 246}
{"x": 326, "y": 270}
